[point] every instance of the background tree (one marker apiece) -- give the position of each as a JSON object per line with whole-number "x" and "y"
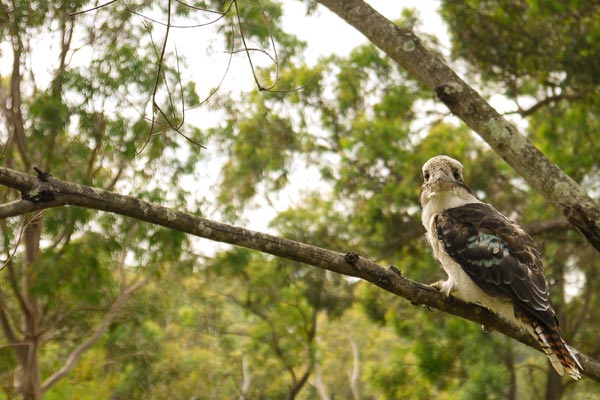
{"x": 246, "y": 324}
{"x": 68, "y": 272}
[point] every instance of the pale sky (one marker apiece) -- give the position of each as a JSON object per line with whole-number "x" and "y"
{"x": 325, "y": 33}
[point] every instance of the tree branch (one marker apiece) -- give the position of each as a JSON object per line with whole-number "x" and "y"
{"x": 83, "y": 347}
{"x": 354, "y": 377}
{"x": 7, "y": 328}
{"x": 19, "y": 207}
{"x": 59, "y": 193}
{"x": 546, "y": 226}
{"x": 404, "y": 47}
{"x": 525, "y": 112}
{"x": 59, "y": 319}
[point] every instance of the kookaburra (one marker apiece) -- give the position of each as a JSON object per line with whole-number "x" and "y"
{"x": 490, "y": 261}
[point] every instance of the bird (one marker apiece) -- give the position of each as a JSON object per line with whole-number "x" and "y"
{"x": 490, "y": 261}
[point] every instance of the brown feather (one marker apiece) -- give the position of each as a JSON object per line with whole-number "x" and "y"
{"x": 552, "y": 344}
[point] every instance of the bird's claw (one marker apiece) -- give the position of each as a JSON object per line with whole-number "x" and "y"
{"x": 443, "y": 286}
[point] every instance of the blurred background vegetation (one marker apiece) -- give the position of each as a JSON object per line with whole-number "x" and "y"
{"x": 184, "y": 323}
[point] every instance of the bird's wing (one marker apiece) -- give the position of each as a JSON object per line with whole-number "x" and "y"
{"x": 497, "y": 255}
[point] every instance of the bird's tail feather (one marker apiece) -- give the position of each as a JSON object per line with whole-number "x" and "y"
{"x": 558, "y": 351}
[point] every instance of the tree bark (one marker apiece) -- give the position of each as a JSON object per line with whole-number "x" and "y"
{"x": 49, "y": 192}
{"x": 29, "y": 371}
{"x": 404, "y": 47}
{"x": 554, "y": 386}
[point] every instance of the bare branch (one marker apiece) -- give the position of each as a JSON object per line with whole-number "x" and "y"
{"x": 247, "y": 378}
{"x": 16, "y": 245}
{"x": 59, "y": 319}
{"x": 208, "y": 10}
{"x": 19, "y": 207}
{"x": 232, "y": 46}
{"x": 59, "y": 193}
{"x": 6, "y": 325}
{"x": 525, "y": 112}
{"x": 404, "y": 47}
{"x": 549, "y": 225}
{"x": 355, "y": 376}
{"x": 83, "y": 347}
{"x": 159, "y": 74}
{"x": 15, "y": 116}
{"x": 145, "y": 17}
{"x": 247, "y": 51}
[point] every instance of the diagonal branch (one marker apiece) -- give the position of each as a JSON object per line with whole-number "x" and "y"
{"x": 54, "y": 192}
{"x": 405, "y": 48}
{"x": 83, "y": 347}
{"x": 8, "y": 330}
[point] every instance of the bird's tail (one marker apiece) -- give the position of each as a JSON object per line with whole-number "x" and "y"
{"x": 558, "y": 351}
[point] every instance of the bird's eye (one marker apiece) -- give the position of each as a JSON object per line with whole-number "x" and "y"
{"x": 456, "y": 174}
{"x": 426, "y": 175}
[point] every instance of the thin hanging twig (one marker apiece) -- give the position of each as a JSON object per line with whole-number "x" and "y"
{"x": 92, "y": 9}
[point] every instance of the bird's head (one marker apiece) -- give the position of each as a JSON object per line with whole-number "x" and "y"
{"x": 443, "y": 175}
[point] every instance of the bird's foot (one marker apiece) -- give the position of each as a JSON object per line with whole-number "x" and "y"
{"x": 446, "y": 287}
{"x": 395, "y": 270}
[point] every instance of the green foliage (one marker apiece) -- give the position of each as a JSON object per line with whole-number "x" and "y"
{"x": 542, "y": 49}
{"x": 72, "y": 263}
{"x": 246, "y": 324}
{"x": 354, "y": 122}
{"x": 510, "y": 41}
{"x": 261, "y": 149}
{"x": 572, "y": 128}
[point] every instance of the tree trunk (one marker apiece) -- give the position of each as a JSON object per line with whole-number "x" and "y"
{"x": 29, "y": 381}
{"x": 509, "y": 362}
{"x": 553, "y": 384}
{"x": 28, "y": 375}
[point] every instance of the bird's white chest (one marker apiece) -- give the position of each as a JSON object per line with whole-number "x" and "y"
{"x": 457, "y": 277}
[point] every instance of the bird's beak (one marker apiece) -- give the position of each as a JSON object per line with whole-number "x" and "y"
{"x": 440, "y": 180}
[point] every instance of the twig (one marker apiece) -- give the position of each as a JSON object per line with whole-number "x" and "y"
{"x": 155, "y": 106}
{"x": 199, "y": 8}
{"x": 165, "y": 24}
{"x": 21, "y": 232}
{"x": 215, "y": 90}
{"x": 93, "y": 8}
{"x": 239, "y": 19}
